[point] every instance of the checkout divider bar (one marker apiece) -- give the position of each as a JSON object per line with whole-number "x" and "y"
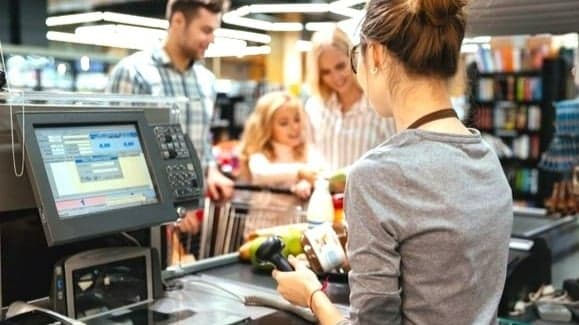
{"x": 199, "y": 266}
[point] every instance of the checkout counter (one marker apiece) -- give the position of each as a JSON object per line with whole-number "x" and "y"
{"x": 81, "y": 174}
{"x": 219, "y": 291}
{"x": 44, "y": 220}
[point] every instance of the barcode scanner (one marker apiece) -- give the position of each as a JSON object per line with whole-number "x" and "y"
{"x": 270, "y": 251}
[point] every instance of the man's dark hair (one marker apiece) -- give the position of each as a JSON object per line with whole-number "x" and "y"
{"x": 189, "y": 8}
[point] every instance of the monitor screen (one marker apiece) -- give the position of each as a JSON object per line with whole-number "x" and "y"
{"x": 95, "y": 173}
{"x": 95, "y": 168}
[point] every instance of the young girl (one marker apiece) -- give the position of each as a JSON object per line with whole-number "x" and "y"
{"x": 274, "y": 153}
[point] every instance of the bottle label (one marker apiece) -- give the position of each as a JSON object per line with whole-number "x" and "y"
{"x": 326, "y": 246}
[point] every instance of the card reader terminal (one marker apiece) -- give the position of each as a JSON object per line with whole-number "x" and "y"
{"x": 180, "y": 162}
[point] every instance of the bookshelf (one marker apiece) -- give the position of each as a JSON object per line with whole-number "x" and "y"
{"x": 516, "y": 107}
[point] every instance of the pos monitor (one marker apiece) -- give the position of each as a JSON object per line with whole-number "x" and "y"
{"x": 94, "y": 172}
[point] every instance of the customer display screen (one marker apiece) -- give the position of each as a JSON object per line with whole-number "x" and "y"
{"x": 95, "y": 168}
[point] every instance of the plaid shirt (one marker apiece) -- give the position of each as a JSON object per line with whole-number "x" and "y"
{"x": 152, "y": 73}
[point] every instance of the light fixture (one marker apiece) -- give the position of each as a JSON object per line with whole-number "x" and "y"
{"x": 219, "y": 51}
{"x": 135, "y": 20}
{"x": 238, "y": 16}
{"x": 160, "y": 24}
{"x": 289, "y": 7}
{"x": 123, "y": 31}
{"x": 317, "y": 26}
{"x": 123, "y": 36}
{"x": 134, "y": 44}
{"x": 74, "y": 19}
{"x": 252, "y": 23}
{"x": 229, "y": 43}
{"x": 347, "y": 3}
{"x": 242, "y": 35}
{"x": 347, "y": 12}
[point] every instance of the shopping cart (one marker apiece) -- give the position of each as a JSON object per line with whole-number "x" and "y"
{"x": 226, "y": 225}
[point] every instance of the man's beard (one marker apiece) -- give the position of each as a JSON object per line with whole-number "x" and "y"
{"x": 193, "y": 54}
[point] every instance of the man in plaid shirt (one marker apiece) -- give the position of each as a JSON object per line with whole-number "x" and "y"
{"x": 174, "y": 70}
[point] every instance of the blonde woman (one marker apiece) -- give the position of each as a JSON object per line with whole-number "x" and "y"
{"x": 274, "y": 153}
{"x": 343, "y": 124}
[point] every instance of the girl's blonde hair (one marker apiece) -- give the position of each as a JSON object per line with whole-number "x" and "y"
{"x": 258, "y": 130}
{"x": 321, "y": 40}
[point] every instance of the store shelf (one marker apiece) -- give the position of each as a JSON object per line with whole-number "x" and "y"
{"x": 506, "y": 102}
{"x": 522, "y": 73}
{"x": 515, "y": 107}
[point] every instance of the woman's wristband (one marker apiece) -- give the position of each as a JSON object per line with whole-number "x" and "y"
{"x": 311, "y": 300}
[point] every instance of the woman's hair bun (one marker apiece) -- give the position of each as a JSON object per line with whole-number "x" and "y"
{"x": 437, "y": 12}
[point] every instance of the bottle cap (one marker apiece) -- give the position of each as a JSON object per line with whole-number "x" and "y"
{"x": 338, "y": 201}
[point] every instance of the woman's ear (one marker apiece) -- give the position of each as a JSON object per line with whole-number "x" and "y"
{"x": 377, "y": 58}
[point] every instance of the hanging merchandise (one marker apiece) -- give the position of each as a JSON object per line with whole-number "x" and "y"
{"x": 563, "y": 152}
{"x": 562, "y": 157}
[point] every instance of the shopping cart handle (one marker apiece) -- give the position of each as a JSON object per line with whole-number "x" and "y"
{"x": 262, "y": 188}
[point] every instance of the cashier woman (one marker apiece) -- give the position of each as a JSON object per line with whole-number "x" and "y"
{"x": 429, "y": 210}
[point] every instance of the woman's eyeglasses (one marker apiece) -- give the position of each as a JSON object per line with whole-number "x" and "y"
{"x": 354, "y": 55}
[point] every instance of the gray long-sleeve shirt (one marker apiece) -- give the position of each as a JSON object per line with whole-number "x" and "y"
{"x": 430, "y": 217}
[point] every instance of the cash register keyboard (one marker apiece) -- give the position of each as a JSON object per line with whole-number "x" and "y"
{"x": 175, "y": 150}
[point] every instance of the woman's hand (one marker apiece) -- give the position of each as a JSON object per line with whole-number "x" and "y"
{"x": 308, "y": 173}
{"x": 297, "y": 286}
{"x": 189, "y": 224}
{"x": 302, "y": 189}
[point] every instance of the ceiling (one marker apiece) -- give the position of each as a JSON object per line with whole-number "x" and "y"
{"x": 485, "y": 17}
{"x": 513, "y": 17}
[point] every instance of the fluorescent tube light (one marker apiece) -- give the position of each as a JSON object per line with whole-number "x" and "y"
{"x": 346, "y": 3}
{"x": 347, "y": 12}
{"x": 317, "y": 26}
{"x": 289, "y": 7}
{"x": 286, "y": 27}
{"x": 109, "y": 42}
{"x": 220, "y": 48}
{"x": 123, "y": 31}
{"x": 247, "y": 22}
{"x": 74, "y": 19}
{"x": 213, "y": 52}
{"x": 135, "y": 20}
{"x": 239, "y": 34}
{"x": 238, "y": 16}
{"x": 262, "y": 25}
